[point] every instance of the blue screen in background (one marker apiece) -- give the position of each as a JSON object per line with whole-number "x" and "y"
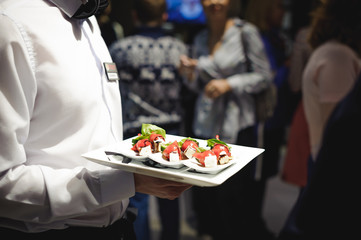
{"x": 185, "y": 12}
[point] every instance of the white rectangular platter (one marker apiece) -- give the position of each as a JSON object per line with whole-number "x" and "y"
{"x": 125, "y": 159}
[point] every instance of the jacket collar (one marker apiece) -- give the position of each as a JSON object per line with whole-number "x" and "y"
{"x": 69, "y": 7}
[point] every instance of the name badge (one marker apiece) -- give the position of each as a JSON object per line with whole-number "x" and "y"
{"x": 111, "y": 71}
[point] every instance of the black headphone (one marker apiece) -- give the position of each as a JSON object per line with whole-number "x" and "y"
{"x": 92, "y": 7}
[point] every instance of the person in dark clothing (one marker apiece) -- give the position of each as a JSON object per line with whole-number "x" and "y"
{"x": 111, "y": 29}
{"x": 329, "y": 205}
{"x": 150, "y": 87}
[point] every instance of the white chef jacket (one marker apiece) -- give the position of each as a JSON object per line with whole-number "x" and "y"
{"x": 56, "y": 103}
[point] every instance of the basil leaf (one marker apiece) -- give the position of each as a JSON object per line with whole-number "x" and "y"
{"x": 211, "y": 142}
{"x": 148, "y": 129}
{"x": 180, "y": 143}
{"x": 135, "y": 140}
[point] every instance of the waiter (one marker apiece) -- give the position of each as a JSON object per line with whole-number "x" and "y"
{"x": 58, "y": 100}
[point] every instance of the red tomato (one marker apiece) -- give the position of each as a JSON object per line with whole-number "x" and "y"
{"x": 187, "y": 143}
{"x": 172, "y": 148}
{"x": 201, "y": 156}
{"x": 218, "y": 148}
{"x": 154, "y": 136}
{"x": 141, "y": 144}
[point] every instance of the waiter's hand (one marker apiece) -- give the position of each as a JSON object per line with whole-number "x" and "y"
{"x": 159, "y": 187}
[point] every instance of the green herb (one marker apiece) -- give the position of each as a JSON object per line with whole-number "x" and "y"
{"x": 200, "y": 149}
{"x": 164, "y": 146}
{"x": 213, "y": 141}
{"x": 180, "y": 143}
{"x": 147, "y": 130}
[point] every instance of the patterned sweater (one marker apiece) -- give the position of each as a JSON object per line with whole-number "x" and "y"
{"x": 150, "y": 84}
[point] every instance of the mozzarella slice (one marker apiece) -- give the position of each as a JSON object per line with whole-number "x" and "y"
{"x": 189, "y": 152}
{"x": 174, "y": 157}
{"x": 210, "y": 161}
{"x": 146, "y": 151}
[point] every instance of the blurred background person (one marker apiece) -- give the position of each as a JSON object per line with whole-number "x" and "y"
{"x": 111, "y": 29}
{"x": 268, "y": 17}
{"x": 225, "y": 107}
{"x": 330, "y": 72}
{"x": 150, "y": 87}
{"x": 331, "y": 203}
{"x": 294, "y": 169}
{"x": 336, "y": 39}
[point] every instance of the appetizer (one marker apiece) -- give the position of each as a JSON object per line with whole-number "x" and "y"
{"x": 172, "y": 152}
{"x": 222, "y": 152}
{"x": 207, "y": 158}
{"x": 152, "y": 136}
{"x": 157, "y": 140}
{"x": 221, "y": 149}
{"x": 189, "y": 147}
{"x": 218, "y": 154}
{"x": 152, "y": 140}
{"x": 143, "y": 147}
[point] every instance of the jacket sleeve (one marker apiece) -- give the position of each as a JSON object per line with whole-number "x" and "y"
{"x": 37, "y": 193}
